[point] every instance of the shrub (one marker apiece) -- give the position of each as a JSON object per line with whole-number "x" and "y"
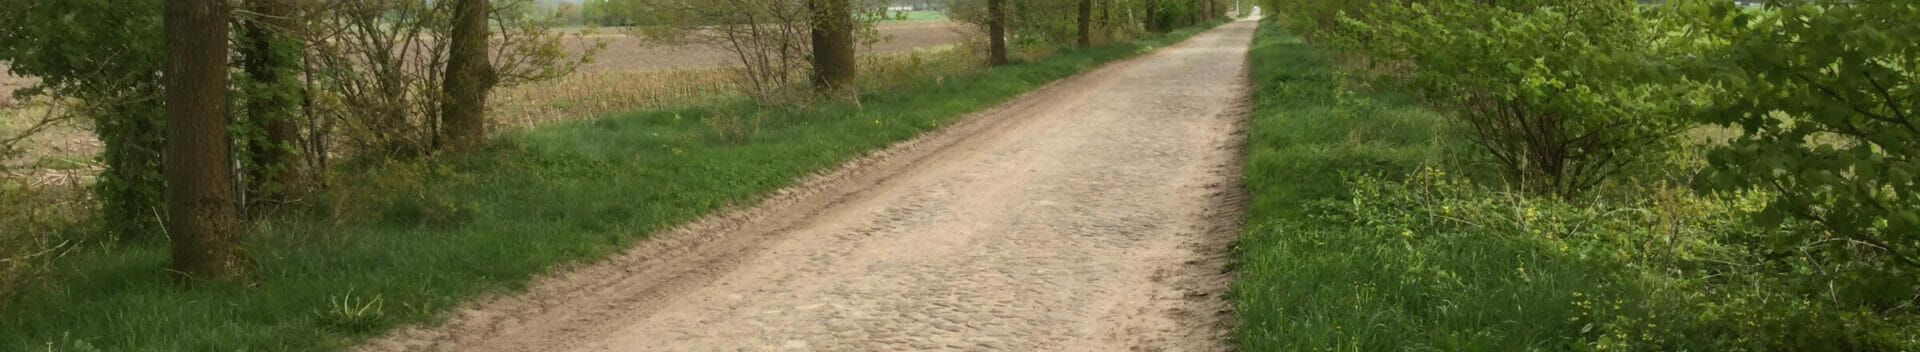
{"x": 1564, "y": 97}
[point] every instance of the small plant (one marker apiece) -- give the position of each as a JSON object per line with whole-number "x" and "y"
{"x": 70, "y": 344}
{"x": 350, "y": 313}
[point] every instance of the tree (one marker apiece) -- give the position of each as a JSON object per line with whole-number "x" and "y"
{"x": 1152, "y": 15}
{"x": 272, "y": 61}
{"x": 201, "y": 219}
{"x": 833, "y": 55}
{"x": 996, "y": 32}
{"x": 1564, "y": 98}
{"x": 463, "y": 123}
{"x": 104, "y": 55}
{"x": 114, "y": 75}
{"x": 1086, "y": 23}
{"x": 1827, "y": 96}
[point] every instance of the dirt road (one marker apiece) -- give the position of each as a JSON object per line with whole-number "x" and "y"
{"x": 1091, "y": 215}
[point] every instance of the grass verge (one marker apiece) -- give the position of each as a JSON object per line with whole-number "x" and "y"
{"x": 404, "y": 242}
{"x": 1359, "y": 240}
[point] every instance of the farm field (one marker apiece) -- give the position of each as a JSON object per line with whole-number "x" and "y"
{"x": 10, "y": 83}
{"x": 625, "y": 52}
{"x": 629, "y": 73}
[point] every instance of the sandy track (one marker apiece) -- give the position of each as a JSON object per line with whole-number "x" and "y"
{"x": 1091, "y": 215}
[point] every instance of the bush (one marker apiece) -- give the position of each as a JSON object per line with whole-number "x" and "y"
{"x": 1564, "y": 97}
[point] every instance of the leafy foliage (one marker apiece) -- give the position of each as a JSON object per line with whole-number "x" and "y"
{"x": 105, "y": 54}
{"x": 1827, "y": 95}
{"x": 1564, "y": 96}
{"x": 1357, "y": 241}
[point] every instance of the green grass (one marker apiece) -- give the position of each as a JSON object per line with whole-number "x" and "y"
{"x": 1307, "y": 130}
{"x": 1354, "y": 244}
{"x": 430, "y": 236}
{"x": 1305, "y": 135}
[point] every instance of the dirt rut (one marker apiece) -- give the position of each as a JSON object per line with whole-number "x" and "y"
{"x": 1090, "y": 215}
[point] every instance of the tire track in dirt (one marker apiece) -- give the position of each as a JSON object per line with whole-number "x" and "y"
{"x": 1090, "y": 215}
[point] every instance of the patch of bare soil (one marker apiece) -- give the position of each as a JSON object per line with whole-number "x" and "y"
{"x": 10, "y": 83}
{"x": 626, "y": 52}
{"x": 1090, "y": 215}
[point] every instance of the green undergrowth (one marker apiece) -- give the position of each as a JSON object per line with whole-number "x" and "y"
{"x": 1360, "y": 239}
{"x": 402, "y": 242}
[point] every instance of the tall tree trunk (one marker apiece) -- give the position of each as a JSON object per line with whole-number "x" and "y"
{"x": 996, "y": 32}
{"x": 833, "y": 57}
{"x": 463, "y": 123}
{"x": 273, "y": 61}
{"x": 1086, "y": 23}
{"x": 201, "y": 216}
{"x": 1153, "y": 16}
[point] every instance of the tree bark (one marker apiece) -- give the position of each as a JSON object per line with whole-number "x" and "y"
{"x": 273, "y": 61}
{"x": 201, "y": 216}
{"x": 463, "y": 124}
{"x": 1153, "y": 16}
{"x": 833, "y": 57}
{"x": 996, "y": 32}
{"x": 1086, "y": 23}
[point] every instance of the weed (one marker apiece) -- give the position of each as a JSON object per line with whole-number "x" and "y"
{"x": 355, "y": 314}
